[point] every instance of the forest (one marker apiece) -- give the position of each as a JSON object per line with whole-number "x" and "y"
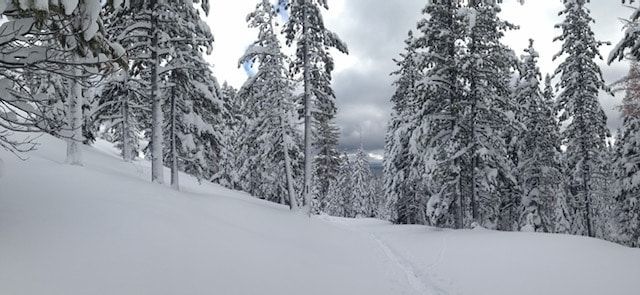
{"x": 478, "y": 136}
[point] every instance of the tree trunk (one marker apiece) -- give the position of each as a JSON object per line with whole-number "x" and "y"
{"x": 175, "y": 184}
{"x": 157, "y": 165}
{"x": 74, "y": 122}
{"x": 127, "y": 149}
{"x": 307, "y": 118}
{"x": 293, "y": 203}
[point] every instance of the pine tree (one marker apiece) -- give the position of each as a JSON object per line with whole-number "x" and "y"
{"x": 35, "y": 30}
{"x": 489, "y": 114}
{"x": 193, "y": 113}
{"x": 151, "y": 31}
{"x": 271, "y": 139}
{"x": 435, "y": 145}
{"x": 227, "y": 174}
{"x": 363, "y": 186}
{"x": 305, "y": 27}
{"x": 122, "y": 109}
{"x": 340, "y": 197}
{"x": 326, "y": 162}
{"x": 539, "y": 164}
{"x": 561, "y": 213}
{"x": 397, "y": 160}
{"x": 581, "y": 81}
{"x": 628, "y": 164}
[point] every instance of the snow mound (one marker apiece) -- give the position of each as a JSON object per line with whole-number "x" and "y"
{"x": 105, "y": 229}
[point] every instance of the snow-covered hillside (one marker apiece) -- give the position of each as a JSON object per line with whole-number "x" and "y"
{"x": 105, "y": 229}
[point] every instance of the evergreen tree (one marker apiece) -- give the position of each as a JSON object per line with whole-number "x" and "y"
{"x": 436, "y": 141}
{"x": 154, "y": 32}
{"x": 539, "y": 165}
{"x": 227, "y": 174}
{"x": 122, "y": 107}
{"x": 193, "y": 111}
{"x": 271, "y": 138}
{"x": 340, "y": 198}
{"x": 398, "y": 160}
{"x": 326, "y": 162}
{"x": 580, "y": 83}
{"x": 489, "y": 115}
{"x": 628, "y": 164}
{"x": 305, "y": 27}
{"x": 362, "y": 183}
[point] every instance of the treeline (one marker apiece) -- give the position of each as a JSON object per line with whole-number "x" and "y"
{"x": 468, "y": 145}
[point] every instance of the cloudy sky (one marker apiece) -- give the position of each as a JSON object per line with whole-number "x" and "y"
{"x": 375, "y": 30}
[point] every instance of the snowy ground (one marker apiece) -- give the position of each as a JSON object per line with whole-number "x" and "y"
{"x": 104, "y": 229}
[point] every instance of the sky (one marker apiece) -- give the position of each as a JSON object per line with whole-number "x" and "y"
{"x": 375, "y": 31}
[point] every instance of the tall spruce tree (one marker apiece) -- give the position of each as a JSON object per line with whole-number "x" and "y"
{"x": 540, "y": 156}
{"x": 150, "y": 31}
{"x": 305, "y": 27}
{"x": 436, "y": 142}
{"x": 363, "y": 186}
{"x": 585, "y": 136}
{"x": 488, "y": 118}
{"x": 227, "y": 175}
{"x": 628, "y": 164}
{"x": 397, "y": 161}
{"x": 272, "y": 139}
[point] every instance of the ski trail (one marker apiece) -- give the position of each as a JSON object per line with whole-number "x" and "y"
{"x": 416, "y": 284}
{"x": 402, "y": 266}
{"x": 411, "y": 273}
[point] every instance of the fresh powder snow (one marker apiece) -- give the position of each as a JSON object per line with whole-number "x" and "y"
{"x": 104, "y": 229}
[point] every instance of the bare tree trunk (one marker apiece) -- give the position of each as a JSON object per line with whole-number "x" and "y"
{"x": 307, "y": 119}
{"x": 293, "y": 203}
{"x": 175, "y": 184}
{"x": 127, "y": 149}
{"x": 74, "y": 122}
{"x": 157, "y": 165}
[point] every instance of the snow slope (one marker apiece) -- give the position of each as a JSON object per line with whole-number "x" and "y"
{"x": 104, "y": 229}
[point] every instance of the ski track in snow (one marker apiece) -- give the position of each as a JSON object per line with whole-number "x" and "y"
{"x": 416, "y": 284}
{"x": 402, "y": 266}
{"x": 411, "y": 273}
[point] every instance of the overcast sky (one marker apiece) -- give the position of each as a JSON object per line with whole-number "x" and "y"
{"x": 374, "y": 31}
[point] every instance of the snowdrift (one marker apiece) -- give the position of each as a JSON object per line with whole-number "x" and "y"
{"x": 105, "y": 229}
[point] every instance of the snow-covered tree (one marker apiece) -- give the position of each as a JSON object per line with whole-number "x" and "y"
{"x": 272, "y": 143}
{"x": 628, "y": 164}
{"x": 326, "y": 162}
{"x": 397, "y": 159}
{"x": 435, "y": 140}
{"x": 122, "y": 107}
{"x": 340, "y": 201}
{"x": 193, "y": 111}
{"x": 306, "y": 29}
{"x": 227, "y": 175}
{"x": 151, "y": 31}
{"x": 47, "y": 37}
{"x": 539, "y": 160}
{"x": 585, "y": 136}
{"x": 365, "y": 203}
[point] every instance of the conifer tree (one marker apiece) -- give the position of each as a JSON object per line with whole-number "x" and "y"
{"x": 397, "y": 162}
{"x": 305, "y": 27}
{"x": 150, "y": 31}
{"x": 340, "y": 198}
{"x": 271, "y": 137}
{"x": 580, "y": 83}
{"x": 628, "y": 164}
{"x": 489, "y": 114}
{"x": 227, "y": 175}
{"x": 362, "y": 182}
{"x": 539, "y": 165}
